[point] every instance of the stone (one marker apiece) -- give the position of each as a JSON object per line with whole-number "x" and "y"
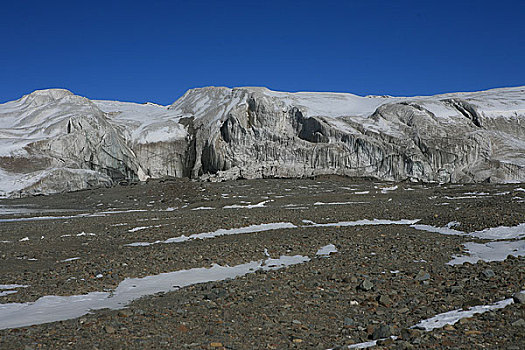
{"x": 488, "y": 273}
{"x": 366, "y": 285}
{"x": 109, "y": 329}
{"x": 348, "y": 321}
{"x": 519, "y": 297}
{"x": 384, "y": 300}
{"x": 518, "y": 323}
{"x": 422, "y": 275}
{"x": 382, "y": 331}
{"x": 409, "y": 334}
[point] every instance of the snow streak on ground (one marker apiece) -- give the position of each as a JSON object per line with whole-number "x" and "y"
{"x": 498, "y": 249}
{"x": 454, "y": 316}
{"x": 221, "y": 232}
{"x": 272, "y": 226}
{"x": 441, "y": 320}
{"x": 491, "y": 251}
{"x": 326, "y": 250}
{"x": 58, "y": 308}
{"x": 494, "y": 233}
{"x": 248, "y": 206}
{"x": 11, "y": 289}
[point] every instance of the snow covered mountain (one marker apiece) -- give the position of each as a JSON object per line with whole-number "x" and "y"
{"x": 53, "y": 140}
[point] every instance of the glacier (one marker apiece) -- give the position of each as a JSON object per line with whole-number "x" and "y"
{"x": 54, "y": 141}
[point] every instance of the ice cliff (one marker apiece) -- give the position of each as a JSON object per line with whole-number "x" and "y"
{"x": 53, "y": 141}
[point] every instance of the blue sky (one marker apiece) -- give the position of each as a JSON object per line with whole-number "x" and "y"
{"x": 156, "y": 50}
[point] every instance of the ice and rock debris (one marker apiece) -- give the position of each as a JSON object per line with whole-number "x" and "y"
{"x": 52, "y": 308}
{"x": 272, "y": 226}
{"x": 54, "y": 141}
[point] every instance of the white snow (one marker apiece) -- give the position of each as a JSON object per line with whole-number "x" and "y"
{"x": 368, "y": 344}
{"x": 84, "y": 215}
{"x": 326, "y": 250}
{"x": 248, "y": 206}
{"x": 385, "y": 190}
{"x": 491, "y": 251}
{"x": 221, "y": 232}
{"x": 53, "y": 308}
{"x": 365, "y": 222}
{"x": 203, "y": 208}
{"x": 493, "y": 233}
{"x": 454, "y": 316}
{"x": 12, "y": 286}
{"x": 272, "y": 226}
{"x": 140, "y": 228}
{"x": 339, "y": 203}
{"x": 71, "y": 259}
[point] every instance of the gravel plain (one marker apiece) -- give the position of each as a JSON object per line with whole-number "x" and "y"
{"x": 382, "y": 280}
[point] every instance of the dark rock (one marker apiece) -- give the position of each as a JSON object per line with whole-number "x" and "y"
{"x": 382, "y": 331}
{"x": 519, "y": 297}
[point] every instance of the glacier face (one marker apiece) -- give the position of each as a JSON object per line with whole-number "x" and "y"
{"x": 53, "y": 141}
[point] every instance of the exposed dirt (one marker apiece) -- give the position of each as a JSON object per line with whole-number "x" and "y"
{"x": 318, "y": 304}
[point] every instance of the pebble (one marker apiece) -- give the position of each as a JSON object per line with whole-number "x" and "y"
{"x": 382, "y": 331}
{"x": 488, "y": 273}
{"x": 519, "y": 297}
{"x": 366, "y": 285}
{"x": 422, "y": 275}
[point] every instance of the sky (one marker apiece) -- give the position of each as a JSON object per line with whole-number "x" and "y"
{"x": 156, "y": 50}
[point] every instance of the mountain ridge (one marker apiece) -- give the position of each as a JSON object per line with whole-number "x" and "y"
{"x": 220, "y": 133}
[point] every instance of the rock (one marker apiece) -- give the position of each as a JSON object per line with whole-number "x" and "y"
{"x": 125, "y": 313}
{"x": 109, "y": 329}
{"x": 519, "y": 323}
{"x": 382, "y": 331}
{"x": 422, "y": 275}
{"x": 384, "y": 300}
{"x": 410, "y": 334}
{"x": 216, "y": 345}
{"x": 519, "y": 297}
{"x": 366, "y": 285}
{"x": 488, "y": 273}
{"x": 471, "y": 302}
{"x": 348, "y": 321}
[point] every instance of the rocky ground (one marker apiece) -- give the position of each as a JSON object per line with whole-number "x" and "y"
{"x": 382, "y": 280}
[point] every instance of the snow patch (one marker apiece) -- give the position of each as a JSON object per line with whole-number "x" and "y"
{"x": 53, "y": 308}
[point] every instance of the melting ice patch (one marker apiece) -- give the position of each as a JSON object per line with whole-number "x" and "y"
{"x": 365, "y": 222}
{"x": 221, "y": 232}
{"x": 491, "y": 251}
{"x": 58, "y": 308}
{"x": 385, "y": 190}
{"x": 339, "y": 203}
{"x": 326, "y": 250}
{"x": 273, "y": 226}
{"x": 10, "y": 289}
{"x": 248, "y": 206}
{"x": 494, "y": 233}
{"x": 66, "y": 217}
{"x": 454, "y": 316}
{"x": 203, "y": 208}
{"x": 441, "y": 320}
